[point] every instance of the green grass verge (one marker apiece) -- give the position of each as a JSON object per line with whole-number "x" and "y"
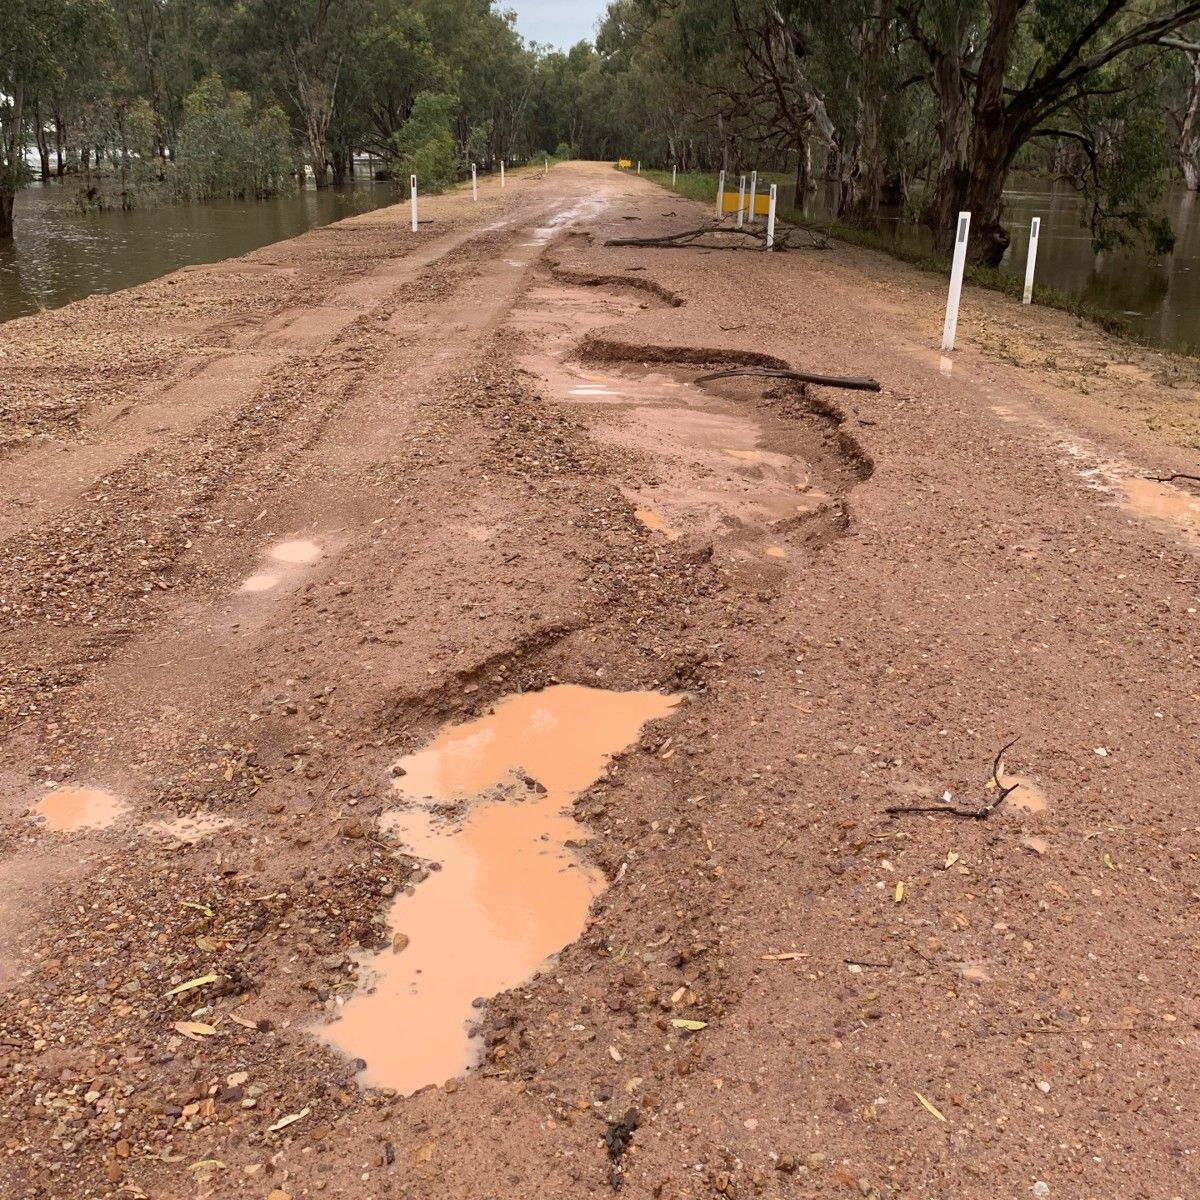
{"x": 700, "y": 185}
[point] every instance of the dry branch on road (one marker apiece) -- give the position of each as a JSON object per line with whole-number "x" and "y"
{"x": 691, "y": 237}
{"x": 857, "y": 383}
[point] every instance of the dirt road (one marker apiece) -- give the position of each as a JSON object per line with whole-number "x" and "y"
{"x": 269, "y": 528}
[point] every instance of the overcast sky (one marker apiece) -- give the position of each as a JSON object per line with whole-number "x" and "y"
{"x": 557, "y": 22}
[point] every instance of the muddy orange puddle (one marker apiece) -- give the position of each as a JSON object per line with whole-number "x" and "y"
{"x": 509, "y": 893}
{"x": 67, "y": 809}
{"x": 1163, "y": 502}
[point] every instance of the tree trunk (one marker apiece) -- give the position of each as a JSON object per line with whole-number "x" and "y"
{"x": 60, "y": 146}
{"x": 12, "y": 155}
{"x": 803, "y": 173}
{"x": 43, "y": 144}
{"x": 339, "y": 166}
{"x": 1189, "y": 135}
{"x": 953, "y": 131}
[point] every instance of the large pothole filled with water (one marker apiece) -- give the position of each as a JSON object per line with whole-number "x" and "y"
{"x": 489, "y": 807}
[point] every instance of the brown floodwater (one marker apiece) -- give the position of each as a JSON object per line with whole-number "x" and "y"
{"x": 67, "y": 809}
{"x": 509, "y": 891}
{"x": 1159, "y": 297}
{"x": 58, "y": 256}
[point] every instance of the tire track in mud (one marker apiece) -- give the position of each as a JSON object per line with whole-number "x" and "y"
{"x": 70, "y": 579}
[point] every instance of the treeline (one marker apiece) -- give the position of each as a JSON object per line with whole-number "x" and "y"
{"x": 923, "y": 104}
{"x": 195, "y": 99}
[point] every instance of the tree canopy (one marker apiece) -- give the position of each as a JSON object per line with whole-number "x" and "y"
{"x": 924, "y": 103}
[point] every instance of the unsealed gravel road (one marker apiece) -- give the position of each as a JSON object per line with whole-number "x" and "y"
{"x": 862, "y": 596}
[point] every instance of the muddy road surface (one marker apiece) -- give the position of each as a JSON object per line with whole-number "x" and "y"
{"x": 447, "y": 749}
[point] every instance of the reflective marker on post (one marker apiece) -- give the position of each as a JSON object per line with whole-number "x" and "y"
{"x": 741, "y": 199}
{"x": 771, "y": 220}
{"x": 956, "y": 278}
{"x": 1034, "y": 230}
{"x": 474, "y": 184}
{"x": 720, "y": 195}
{"x": 753, "y": 193}
{"x": 412, "y": 187}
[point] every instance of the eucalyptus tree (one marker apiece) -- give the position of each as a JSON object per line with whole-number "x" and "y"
{"x": 1005, "y": 71}
{"x": 39, "y": 40}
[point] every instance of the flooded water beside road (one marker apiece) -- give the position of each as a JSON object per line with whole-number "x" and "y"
{"x": 508, "y": 890}
{"x": 58, "y": 256}
{"x": 1159, "y": 298}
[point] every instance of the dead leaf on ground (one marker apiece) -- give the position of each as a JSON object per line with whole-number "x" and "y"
{"x": 207, "y": 1164}
{"x": 187, "y": 986}
{"x": 194, "y": 1029}
{"x": 290, "y": 1119}
{"x": 690, "y": 1026}
{"x": 928, "y": 1107}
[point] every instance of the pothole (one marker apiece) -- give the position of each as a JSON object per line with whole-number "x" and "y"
{"x": 508, "y": 890}
{"x": 69, "y": 809}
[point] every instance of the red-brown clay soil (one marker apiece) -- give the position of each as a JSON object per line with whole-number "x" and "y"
{"x": 268, "y": 527}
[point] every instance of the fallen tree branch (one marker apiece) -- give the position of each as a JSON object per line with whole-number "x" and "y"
{"x": 691, "y": 237}
{"x": 972, "y": 814}
{"x": 853, "y": 383}
{"x": 1171, "y": 478}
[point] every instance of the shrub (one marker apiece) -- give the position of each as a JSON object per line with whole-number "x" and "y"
{"x": 228, "y": 150}
{"x": 424, "y": 145}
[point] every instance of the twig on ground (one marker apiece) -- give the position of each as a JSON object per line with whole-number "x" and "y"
{"x": 854, "y": 383}
{"x": 973, "y": 814}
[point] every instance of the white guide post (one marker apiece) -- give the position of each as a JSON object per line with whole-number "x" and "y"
{"x": 720, "y": 195}
{"x": 502, "y": 172}
{"x": 741, "y": 199}
{"x": 674, "y": 168}
{"x": 753, "y": 193}
{"x": 1034, "y": 230}
{"x": 412, "y": 188}
{"x": 474, "y": 184}
{"x": 639, "y": 166}
{"x": 546, "y": 167}
{"x": 956, "y": 278}
{"x": 771, "y": 220}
